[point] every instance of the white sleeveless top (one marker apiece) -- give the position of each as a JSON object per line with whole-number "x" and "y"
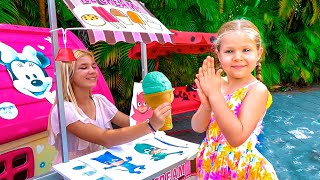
{"x": 77, "y": 147}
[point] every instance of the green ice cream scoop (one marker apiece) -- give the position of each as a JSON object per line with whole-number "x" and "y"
{"x": 155, "y": 82}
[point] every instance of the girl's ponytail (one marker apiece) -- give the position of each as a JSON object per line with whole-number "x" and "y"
{"x": 258, "y": 72}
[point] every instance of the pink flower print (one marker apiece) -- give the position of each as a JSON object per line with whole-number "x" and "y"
{"x": 247, "y": 168}
{"x": 213, "y": 156}
{"x": 214, "y": 176}
{"x": 219, "y": 139}
{"x": 237, "y": 109}
{"x": 224, "y": 173}
{"x": 228, "y": 97}
{"x": 234, "y": 174}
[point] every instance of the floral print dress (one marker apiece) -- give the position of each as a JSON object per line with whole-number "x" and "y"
{"x": 219, "y": 160}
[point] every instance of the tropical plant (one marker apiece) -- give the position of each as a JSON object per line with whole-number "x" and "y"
{"x": 300, "y": 41}
{"x": 10, "y": 13}
{"x": 180, "y": 69}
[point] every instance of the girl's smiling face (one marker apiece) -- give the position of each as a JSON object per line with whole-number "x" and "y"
{"x": 85, "y": 74}
{"x": 238, "y": 54}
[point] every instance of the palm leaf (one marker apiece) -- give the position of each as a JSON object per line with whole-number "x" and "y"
{"x": 9, "y": 12}
{"x": 207, "y": 9}
{"x": 288, "y": 7}
{"x": 271, "y": 74}
{"x": 316, "y": 9}
{"x": 31, "y": 8}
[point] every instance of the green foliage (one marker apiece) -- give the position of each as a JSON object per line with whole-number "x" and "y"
{"x": 9, "y": 13}
{"x": 65, "y": 17}
{"x": 271, "y": 74}
{"x": 180, "y": 69}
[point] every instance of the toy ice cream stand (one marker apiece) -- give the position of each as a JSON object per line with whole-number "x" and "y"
{"x": 114, "y": 21}
{"x": 27, "y": 93}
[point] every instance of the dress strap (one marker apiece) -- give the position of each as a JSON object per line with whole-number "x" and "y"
{"x": 269, "y": 102}
{"x": 248, "y": 86}
{"x": 252, "y": 83}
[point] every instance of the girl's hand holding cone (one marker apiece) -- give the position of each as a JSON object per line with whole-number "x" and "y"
{"x": 159, "y": 115}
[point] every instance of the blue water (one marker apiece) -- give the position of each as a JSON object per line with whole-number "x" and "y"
{"x": 291, "y": 135}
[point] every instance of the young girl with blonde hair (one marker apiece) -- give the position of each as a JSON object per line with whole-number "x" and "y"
{"x": 89, "y": 116}
{"x": 232, "y": 107}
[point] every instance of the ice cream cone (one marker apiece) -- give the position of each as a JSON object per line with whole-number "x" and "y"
{"x": 156, "y": 99}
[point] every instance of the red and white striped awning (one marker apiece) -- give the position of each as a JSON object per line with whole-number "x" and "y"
{"x": 118, "y": 20}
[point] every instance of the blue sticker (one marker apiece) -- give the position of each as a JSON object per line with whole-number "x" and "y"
{"x": 88, "y": 173}
{"x": 42, "y": 164}
{"x": 78, "y": 167}
{"x": 102, "y": 178}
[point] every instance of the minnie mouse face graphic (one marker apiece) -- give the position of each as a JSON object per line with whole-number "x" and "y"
{"x": 26, "y": 70}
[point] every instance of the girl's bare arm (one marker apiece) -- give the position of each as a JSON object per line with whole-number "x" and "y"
{"x": 238, "y": 129}
{"x": 109, "y": 138}
{"x": 200, "y": 120}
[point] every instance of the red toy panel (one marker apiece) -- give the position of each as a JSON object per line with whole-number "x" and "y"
{"x": 186, "y": 99}
{"x": 18, "y": 164}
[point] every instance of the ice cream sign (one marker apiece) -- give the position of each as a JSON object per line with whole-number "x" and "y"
{"x": 115, "y": 15}
{"x": 157, "y": 90}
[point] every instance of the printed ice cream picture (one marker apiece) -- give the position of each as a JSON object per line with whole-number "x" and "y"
{"x": 157, "y": 90}
{"x": 108, "y": 17}
{"x": 151, "y": 23}
{"x": 93, "y": 20}
{"x": 121, "y": 16}
{"x": 136, "y": 19}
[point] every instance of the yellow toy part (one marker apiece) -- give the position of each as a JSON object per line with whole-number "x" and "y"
{"x": 32, "y": 153}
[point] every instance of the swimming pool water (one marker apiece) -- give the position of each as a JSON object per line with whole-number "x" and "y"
{"x": 291, "y": 135}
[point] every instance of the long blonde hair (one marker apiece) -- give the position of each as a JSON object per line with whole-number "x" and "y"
{"x": 244, "y": 26}
{"x": 67, "y": 72}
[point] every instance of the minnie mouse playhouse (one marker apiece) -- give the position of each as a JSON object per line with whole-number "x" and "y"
{"x": 27, "y": 86}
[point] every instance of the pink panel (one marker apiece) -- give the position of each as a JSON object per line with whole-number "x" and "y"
{"x": 33, "y": 112}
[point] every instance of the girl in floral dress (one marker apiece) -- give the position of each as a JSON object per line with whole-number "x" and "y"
{"x": 232, "y": 107}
